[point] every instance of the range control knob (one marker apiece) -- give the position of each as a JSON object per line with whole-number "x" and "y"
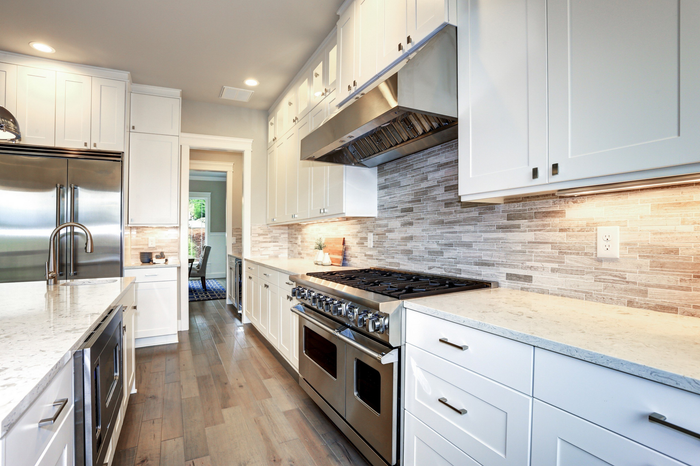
{"x": 327, "y": 303}
{"x": 377, "y": 324}
{"x": 351, "y": 312}
{"x": 362, "y": 318}
{"x": 372, "y": 323}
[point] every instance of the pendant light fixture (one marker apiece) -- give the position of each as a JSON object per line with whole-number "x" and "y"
{"x": 9, "y": 128}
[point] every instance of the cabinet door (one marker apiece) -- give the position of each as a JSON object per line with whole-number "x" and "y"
{"x": 130, "y": 349}
{"x": 8, "y": 87}
{"x": 294, "y": 350}
{"x": 346, "y": 52}
{"x": 281, "y": 157}
{"x": 622, "y": 86}
{"x": 290, "y": 105}
{"x": 561, "y": 439}
{"x": 156, "y": 313}
{"x": 335, "y": 189}
{"x": 60, "y": 451}
{"x": 273, "y": 322}
{"x": 271, "y": 130}
{"x": 423, "y": 446}
{"x": 264, "y": 308}
{"x": 248, "y": 305}
{"x": 502, "y": 95}
{"x": 423, "y": 18}
{"x": 154, "y": 172}
{"x": 155, "y": 114}
{"x": 280, "y": 121}
{"x": 272, "y": 184}
{"x": 332, "y": 65}
{"x": 304, "y": 169}
{"x": 73, "y": 114}
{"x": 286, "y": 341}
{"x": 303, "y": 97}
{"x": 392, "y": 32}
{"x": 317, "y": 83}
{"x": 366, "y": 41}
{"x": 36, "y": 105}
{"x": 108, "y": 108}
{"x": 291, "y": 174}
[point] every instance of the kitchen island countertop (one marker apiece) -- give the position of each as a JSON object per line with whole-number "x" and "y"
{"x": 40, "y": 328}
{"x": 661, "y": 347}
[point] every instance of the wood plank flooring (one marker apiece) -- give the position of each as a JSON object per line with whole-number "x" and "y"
{"x": 220, "y": 398}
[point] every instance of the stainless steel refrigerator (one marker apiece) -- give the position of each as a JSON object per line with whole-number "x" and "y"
{"x": 42, "y": 187}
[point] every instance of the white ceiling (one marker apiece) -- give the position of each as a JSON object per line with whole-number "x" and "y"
{"x": 193, "y": 45}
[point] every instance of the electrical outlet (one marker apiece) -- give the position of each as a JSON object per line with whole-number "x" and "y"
{"x": 370, "y": 240}
{"x": 151, "y": 242}
{"x": 609, "y": 242}
{"x": 233, "y": 240}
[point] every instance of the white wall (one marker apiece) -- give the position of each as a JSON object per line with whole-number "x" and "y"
{"x": 227, "y": 120}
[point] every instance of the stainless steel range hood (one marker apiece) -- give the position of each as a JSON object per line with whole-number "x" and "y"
{"x": 412, "y": 110}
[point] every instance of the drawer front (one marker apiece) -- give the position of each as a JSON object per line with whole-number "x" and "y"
{"x": 269, "y": 275}
{"x": 560, "y": 439}
{"x": 250, "y": 268}
{"x": 26, "y": 441}
{"x": 621, "y": 403}
{"x": 129, "y": 298}
{"x": 423, "y": 446}
{"x": 505, "y": 361}
{"x": 494, "y": 429}
{"x": 152, "y": 274}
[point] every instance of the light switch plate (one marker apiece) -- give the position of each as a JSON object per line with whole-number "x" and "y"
{"x": 151, "y": 242}
{"x": 608, "y": 243}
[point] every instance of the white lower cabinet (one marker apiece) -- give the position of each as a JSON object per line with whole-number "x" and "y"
{"x": 489, "y": 421}
{"x": 423, "y": 446}
{"x": 561, "y": 439}
{"x": 156, "y": 311}
{"x": 60, "y": 451}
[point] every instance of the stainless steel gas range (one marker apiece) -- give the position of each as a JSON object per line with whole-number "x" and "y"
{"x": 350, "y": 337}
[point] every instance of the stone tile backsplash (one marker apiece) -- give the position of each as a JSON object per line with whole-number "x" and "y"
{"x": 543, "y": 244}
{"x": 136, "y": 241}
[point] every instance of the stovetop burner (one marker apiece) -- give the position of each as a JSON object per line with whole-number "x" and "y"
{"x": 398, "y": 284}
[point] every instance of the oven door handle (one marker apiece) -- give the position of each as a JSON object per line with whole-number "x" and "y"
{"x": 385, "y": 358}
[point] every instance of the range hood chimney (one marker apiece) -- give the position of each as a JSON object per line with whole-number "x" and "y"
{"x": 412, "y": 110}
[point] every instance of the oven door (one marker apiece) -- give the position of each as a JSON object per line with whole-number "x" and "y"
{"x": 371, "y": 394}
{"x": 322, "y": 356}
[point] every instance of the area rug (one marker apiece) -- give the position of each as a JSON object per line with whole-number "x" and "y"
{"x": 215, "y": 290}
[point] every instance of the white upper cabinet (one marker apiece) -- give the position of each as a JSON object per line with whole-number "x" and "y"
{"x": 332, "y": 64}
{"x": 423, "y": 17}
{"x": 155, "y": 114}
{"x": 367, "y": 40}
{"x": 272, "y": 184}
{"x": 108, "y": 109}
{"x": 36, "y": 105}
{"x": 303, "y": 92}
{"x": 391, "y": 31}
{"x": 73, "y": 110}
{"x": 271, "y": 129}
{"x": 291, "y": 175}
{"x": 502, "y": 95}
{"x": 304, "y": 170}
{"x": 290, "y": 106}
{"x": 8, "y": 87}
{"x": 347, "y": 82}
{"x": 623, "y": 79}
{"x": 154, "y": 174}
{"x": 280, "y": 121}
{"x": 318, "y": 85}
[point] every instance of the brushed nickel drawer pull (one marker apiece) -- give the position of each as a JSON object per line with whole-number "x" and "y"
{"x": 661, "y": 419}
{"x": 461, "y": 411}
{"x": 266, "y": 274}
{"x": 50, "y": 420}
{"x": 267, "y": 286}
{"x": 454, "y": 345}
{"x": 289, "y": 283}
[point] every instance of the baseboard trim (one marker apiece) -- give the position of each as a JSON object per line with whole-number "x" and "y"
{"x": 282, "y": 360}
{"x": 156, "y": 341}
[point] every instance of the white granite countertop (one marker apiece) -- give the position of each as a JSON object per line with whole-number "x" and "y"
{"x": 40, "y": 328}
{"x": 661, "y": 347}
{"x": 293, "y": 266}
{"x": 137, "y": 265}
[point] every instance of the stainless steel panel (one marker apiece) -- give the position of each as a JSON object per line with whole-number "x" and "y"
{"x": 28, "y": 214}
{"x": 331, "y": 388}
{"x": 378, "y": 428}
{"x": 94, "y": 187}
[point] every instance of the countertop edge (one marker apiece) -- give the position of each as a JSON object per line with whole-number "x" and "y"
{"x": 150, "y": 266}
{"x": 18, "y": 411}
{"x": 649, "y": 373}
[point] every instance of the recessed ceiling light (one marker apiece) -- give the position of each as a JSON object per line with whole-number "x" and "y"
{"x": 251, "y": 82}
{"x": 42, "y": 47}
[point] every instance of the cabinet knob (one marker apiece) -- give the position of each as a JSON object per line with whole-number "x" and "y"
{"x": 535, "y": 173}
{"x": 354, "y": 83}
{"x": 94, "y": 144}
{"x": 316, "y": 75}
{"x": 400, "y": 47}
{"x": 133, "y": 127}
{"x": 272, "y": 124}
{"x": 349, "y": 88}
{"x": 86, "y": 144}
{"x": 555, "y": 169}
{"x": 409, "y": 40}
{"x": 289, "y": 103}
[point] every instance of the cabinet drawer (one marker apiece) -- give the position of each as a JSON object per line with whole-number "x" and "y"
{"x": 558, "y": 438}
{"x": 285, "y": 283}
{"x": 26, "y": 441}
{"x": 494, "y": 424}
{"x": 152, "y": 274}
{"x": 269, "y": 275}
{"x": 621, "y": 403}
{"x": 250, "y": 268}
{"x": 424, "y": 446}
{"x": 503, "y": 360}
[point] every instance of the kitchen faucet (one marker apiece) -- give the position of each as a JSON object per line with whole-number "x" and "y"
{"x": 52, "y": 265}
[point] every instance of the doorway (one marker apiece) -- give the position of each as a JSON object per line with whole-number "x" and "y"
{"x": 198, "y": 225}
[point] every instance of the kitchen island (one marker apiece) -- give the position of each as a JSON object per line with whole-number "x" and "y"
{"x": 41, "y": 326}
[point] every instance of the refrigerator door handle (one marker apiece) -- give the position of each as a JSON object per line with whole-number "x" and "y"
{"x": 59, "y": 191}
{"x": 73, "y": 190}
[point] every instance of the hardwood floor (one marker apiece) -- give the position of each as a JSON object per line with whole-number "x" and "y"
{"x": 220, "y": 398}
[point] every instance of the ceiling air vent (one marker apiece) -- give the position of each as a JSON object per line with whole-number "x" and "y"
{"x": 234, "y": 93}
